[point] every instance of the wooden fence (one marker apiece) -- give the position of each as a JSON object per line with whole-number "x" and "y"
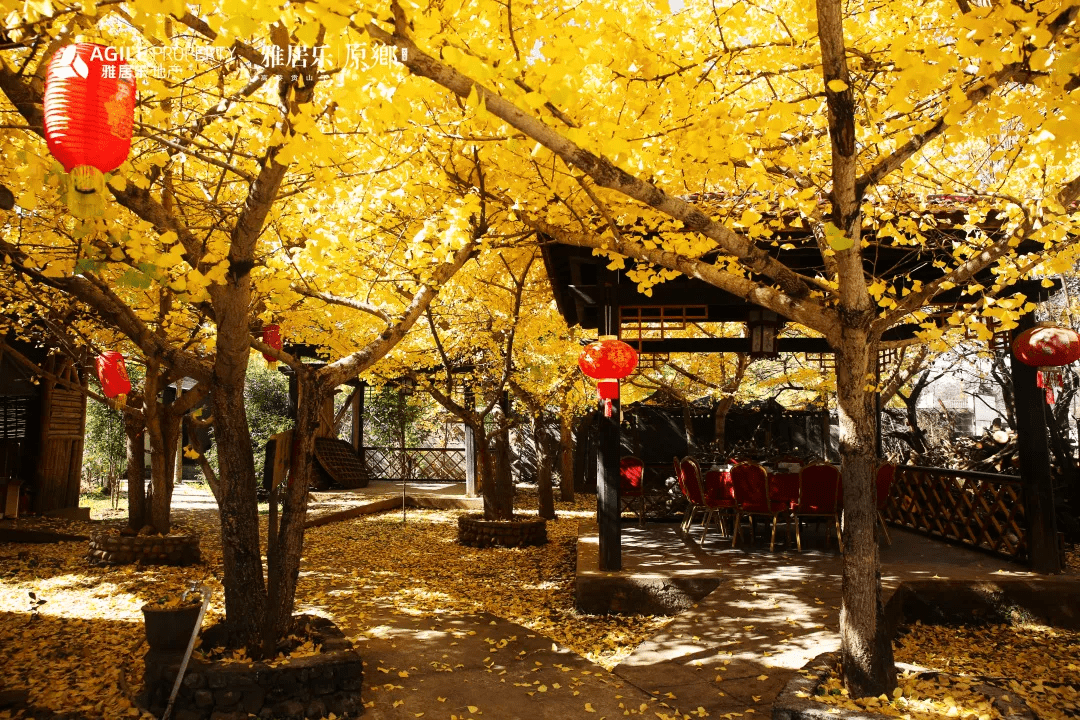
{"x": 981, "y": 510}
{"x": 432, "y": 464}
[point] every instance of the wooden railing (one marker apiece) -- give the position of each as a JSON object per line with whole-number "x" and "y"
{"x": 434, "y": 464}
{"x": 977, "y": 509}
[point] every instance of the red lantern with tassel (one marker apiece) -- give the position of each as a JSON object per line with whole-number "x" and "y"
{"x": 607, "y": 361}
{"x": 271, "y": 335}
{"x": 89, "y": 113}
{"x": 112, "y": 372}
{"x": 1047, "y": 347}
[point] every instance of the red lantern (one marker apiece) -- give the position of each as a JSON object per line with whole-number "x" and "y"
{"x": 607, "y": 360}
{"x": 1047, "y": 347}
{"x": 271, "y": 335}
{"x": 113, "y": 375}
{"x": 89, "y": 114}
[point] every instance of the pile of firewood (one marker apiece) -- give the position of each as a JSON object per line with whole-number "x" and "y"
{"x": 995, "y": 451}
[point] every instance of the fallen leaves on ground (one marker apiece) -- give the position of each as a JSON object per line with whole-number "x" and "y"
{"x": 980, "y": 672}
{"x": 79, "y": 652}
{"x": 354, "y": 567}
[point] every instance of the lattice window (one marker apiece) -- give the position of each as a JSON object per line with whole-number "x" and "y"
{"x": 652, "y": 361}
{"x": 13, "y": 412}
{"x": 655, "y": 322}
{"x": 826, "y": 362}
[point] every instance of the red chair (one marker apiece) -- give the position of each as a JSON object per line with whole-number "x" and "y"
{"x": 691, "y": 507}
{"x": 631, "y": 484}
{"x": 819, "y": 496}
{"x": 751, "y": 485}
{"x": 690, "y": 482}
{"x": 719, "y": 499}
{"x": 884, "y": 481}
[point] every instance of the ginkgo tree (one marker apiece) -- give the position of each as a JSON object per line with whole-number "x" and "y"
{"x": 596, "y": 121}
{"x": 254, "y": 193}
{"x": 590, "y": 124}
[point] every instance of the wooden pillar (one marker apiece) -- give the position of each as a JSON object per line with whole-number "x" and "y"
{"x": 607, "y": 466}
{"x": 470, "y": 448}
{"x": 1032, "y": 444}
{"x": 358, "y": 421}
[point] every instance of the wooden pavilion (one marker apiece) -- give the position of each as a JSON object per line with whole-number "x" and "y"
{"x": 590, "y": 294}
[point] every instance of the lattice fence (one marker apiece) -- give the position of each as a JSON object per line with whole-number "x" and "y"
{"x": 977, "y": 509}
{"x": 434, "y": 464}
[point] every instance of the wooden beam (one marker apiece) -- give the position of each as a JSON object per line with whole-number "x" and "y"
{"x": 726, "y": 345}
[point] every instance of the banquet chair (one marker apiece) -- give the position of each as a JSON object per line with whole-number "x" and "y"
{"x": 632, "y": 484}
{"x": 751, "y": 486}
{"x": 819, "y": 497}
{"x": 719, "y": 500}
{"x": 691, "y": 476}
{"x": 691, "y": 505}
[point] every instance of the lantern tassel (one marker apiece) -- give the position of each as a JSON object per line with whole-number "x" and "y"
{"x": 86, "y": 192}
{"x": 271, "y": 364}
{"x": 121, "y": 401}
{"x": 607, "y": 407}
{"x": 1047, "y": 378}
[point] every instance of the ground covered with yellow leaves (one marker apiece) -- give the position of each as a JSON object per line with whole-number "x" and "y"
{"x": 79, "y": 653}
{"x": 984, "y": 672}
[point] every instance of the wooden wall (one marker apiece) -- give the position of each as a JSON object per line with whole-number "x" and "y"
{"x": 63, "y": 422}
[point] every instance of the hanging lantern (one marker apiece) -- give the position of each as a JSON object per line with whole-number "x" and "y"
{"x": 607, "y": 361}
{"x": 113, "y": 375}
{"x": 271, "y": 335}
{"x": 762, "y": 327}
{"x": 1047, "y": 347}
{"x": 89, "y": 113}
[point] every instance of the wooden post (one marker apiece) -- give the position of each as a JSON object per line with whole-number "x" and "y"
{"x": 470, "y": 448}
{"x": 358, "y": 418}
{"x": 1032, "y": 444}
{"x": 358, "y": 422}
{"x": 607, "y": 467}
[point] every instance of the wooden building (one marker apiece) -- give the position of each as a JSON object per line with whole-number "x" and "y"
{"x": 42, "y": 424}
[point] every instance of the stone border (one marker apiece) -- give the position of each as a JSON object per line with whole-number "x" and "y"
{"x": 622, "y": 592}
{"x": 378, "y": 506}
{"x": 475, "y": 531}
{"x": 108, "y": 549}
{"x": 312, "y": 687}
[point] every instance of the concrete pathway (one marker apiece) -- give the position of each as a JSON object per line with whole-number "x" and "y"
{"x": 734, "y": 651}
{"x": 481, "y": 666}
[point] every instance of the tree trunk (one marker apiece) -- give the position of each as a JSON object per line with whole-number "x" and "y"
{"x": 489, "y": 481}
{"x": 284, "y": 552}
{"x": 720, "y": 422}
{"x": 159, "y": 460}
{"x": 566, "y": 455}
{"x": 136, "y": 471}
{"x": 866, "y": 649}
{"x": 503, "y": 495}
{"x": 245, "y": 589}
{"x": 688, "y": 427}
{"x": 546, "y": 502}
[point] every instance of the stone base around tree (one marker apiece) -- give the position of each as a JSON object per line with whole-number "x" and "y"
{"x": 475, "y": 531}
{"x": 305, "y": 687}
{"x": 144, "y": 549}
